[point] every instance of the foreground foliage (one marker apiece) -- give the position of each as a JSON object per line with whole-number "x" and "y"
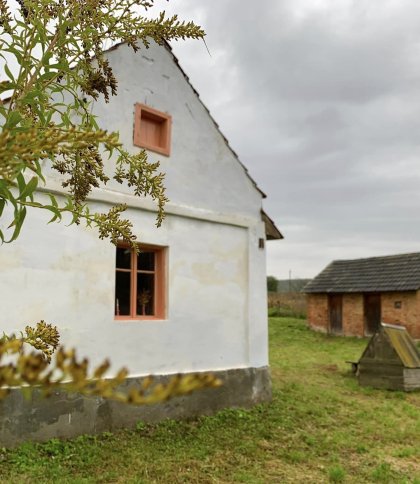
{"x": 48, "y": 370}
{"x": 321, "y": 427}
{"x": 47, "y": 122}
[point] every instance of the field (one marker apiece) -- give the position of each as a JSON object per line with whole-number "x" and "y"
{"x": 287, "y": 304}
{"x": 320, "y": 427}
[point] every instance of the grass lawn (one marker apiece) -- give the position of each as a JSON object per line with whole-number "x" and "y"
{"x": 320, "y": 427}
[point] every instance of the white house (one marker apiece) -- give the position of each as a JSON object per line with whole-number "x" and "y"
{"x": 193, "y": 300}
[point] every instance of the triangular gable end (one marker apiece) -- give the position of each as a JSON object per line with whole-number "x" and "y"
{"x": 380, "y": 348}
{"x": 392, "y": 343}
{"x": 272, "y": 232}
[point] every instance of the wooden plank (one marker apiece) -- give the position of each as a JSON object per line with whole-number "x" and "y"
{"x": 372, "y": 312}
{"x": 412, "y": 378}
{"x": 388, "y": 383}
{"x": 335, "y": 305}
{"x": 381, "y": 369}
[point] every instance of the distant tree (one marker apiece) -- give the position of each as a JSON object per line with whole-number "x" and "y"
{"x": 272, "y": 284}
{"x": 47, "y": 121}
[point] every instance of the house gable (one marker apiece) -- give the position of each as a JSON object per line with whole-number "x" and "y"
{"x": 202, "y": 171}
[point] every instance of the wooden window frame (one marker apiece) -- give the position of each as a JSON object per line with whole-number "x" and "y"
{"x": 159, "y": 298}
{"x": 142, "y": 111}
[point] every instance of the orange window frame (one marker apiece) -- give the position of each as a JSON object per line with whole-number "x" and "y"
{"x": 152, "y": 129}
{"x": 159, "y": 296}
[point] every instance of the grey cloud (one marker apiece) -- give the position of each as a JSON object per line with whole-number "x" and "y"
{"x": 317, "y": 57}
{"x": 321, "y": 104}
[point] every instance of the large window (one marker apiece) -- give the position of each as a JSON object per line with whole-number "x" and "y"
{"x": 139, "y": 283}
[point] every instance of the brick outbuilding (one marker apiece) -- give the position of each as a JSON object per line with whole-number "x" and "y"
{"x": 352, "y": 297}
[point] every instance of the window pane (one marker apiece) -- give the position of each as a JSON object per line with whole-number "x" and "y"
{"x": 123, "y": 258}
{"x": 122, "y": 293}
{"x": 145, "y": 294}
{"x": 146, "y": 261}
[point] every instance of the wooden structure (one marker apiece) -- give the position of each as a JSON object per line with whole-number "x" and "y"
{"x": 352, "y": 297}
{"x": 391, "y": 360}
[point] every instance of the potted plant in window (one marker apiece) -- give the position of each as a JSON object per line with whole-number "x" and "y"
{"x": 143, "y": 300}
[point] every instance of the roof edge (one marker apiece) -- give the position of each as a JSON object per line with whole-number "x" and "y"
{"x": 176, "y": 60}
{"x": 389, "y": 256}
{"x": 271, "y": 231}
{"x": 169, "y": 49}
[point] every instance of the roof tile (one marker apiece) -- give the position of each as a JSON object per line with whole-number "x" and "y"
{"x": 375, "y": 274}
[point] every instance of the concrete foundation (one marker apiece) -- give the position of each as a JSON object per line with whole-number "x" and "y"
{"x": 66, "y": 415}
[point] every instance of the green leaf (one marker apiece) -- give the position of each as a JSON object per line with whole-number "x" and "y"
{"x": 47, "y": 76}
{"x": 13, "y": 120}
{"x": 29, "y": 189}
{"x": 4, "y": 191}
{"x": 55, "y": 211}
{"x": 38, "y": 170}
{"x": 9, "y": 73}
{"x": 53, "y": 200}
{"x": 17, "y": 223}
{"x": 15, "y": 52}
{"x": 46, "y": 58}
{"x": 21, "y": 182}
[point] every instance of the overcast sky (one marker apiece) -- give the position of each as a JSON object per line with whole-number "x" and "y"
{"x": 321, "y": 101}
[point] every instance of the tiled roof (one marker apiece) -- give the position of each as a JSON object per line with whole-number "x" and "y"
{"x": 376, "y": 274}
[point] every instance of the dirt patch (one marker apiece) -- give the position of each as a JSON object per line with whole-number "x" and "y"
{"x": 328, "y": 368}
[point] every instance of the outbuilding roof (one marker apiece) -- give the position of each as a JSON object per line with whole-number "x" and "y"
{"x": 375, "y": 274}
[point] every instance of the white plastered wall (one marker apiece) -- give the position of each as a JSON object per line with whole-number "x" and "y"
{"x": 201, "y": 170}
{"x": 216, "y": 317}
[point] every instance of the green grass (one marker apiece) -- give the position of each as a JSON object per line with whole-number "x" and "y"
{"x": 320, "y": 427}
{"x": 286, "y": 312}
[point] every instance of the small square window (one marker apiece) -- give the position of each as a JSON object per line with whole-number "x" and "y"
{"x": 152, "y": 129}
{"x": 397, "y": 304}
{"x": 139, "y": 283}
